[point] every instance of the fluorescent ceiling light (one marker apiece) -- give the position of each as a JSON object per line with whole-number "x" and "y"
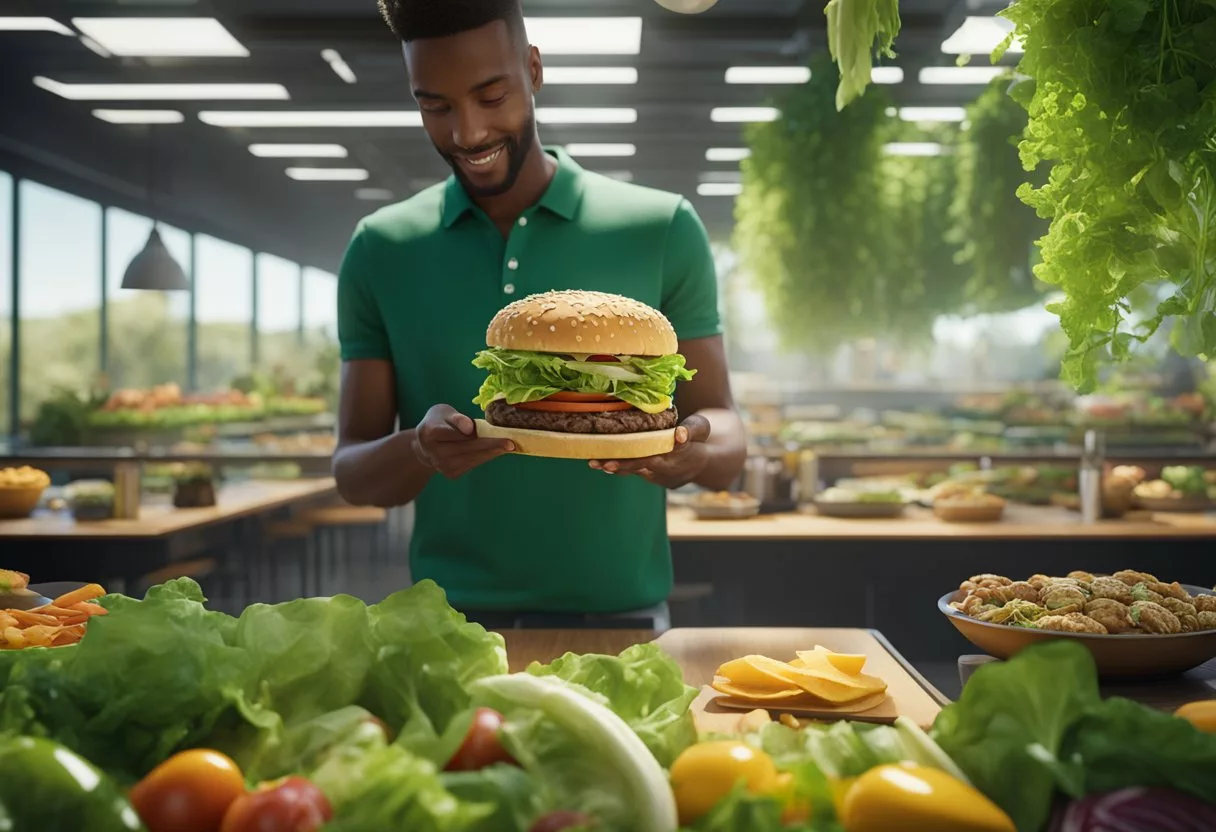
{"x": 33, "y": 24}
{"x": 913, "y": 149}
{"x": 743, "y": 114}
{"x": 311, "y": 118}
{"x": 979, "y": 36}
{"x": 163, "y": 92}
{"x": 932, "y": 113}
{"x": 590, "y": 75}
{"x": 729, "y": 176}
{"x": 374, "y": 194}
{"x": 140, "y": 116}
{"x": 601, "y": 149}
{"x": 185, "y": 37}
{"x": 720, "y": 189}
{"x": 887, "y": 75}
{"x": 94, "y": 47}
{"x": 586, "y": 115}
{"x": 768, "y": 75}
{"x": 298, "y": 151}
{"x": 339, "y": 66}
{"x": 585, "y": 35}
{"x": 961, "y": 74}
{"x": 727, "y": 154}
{"x": 328, "y": 174}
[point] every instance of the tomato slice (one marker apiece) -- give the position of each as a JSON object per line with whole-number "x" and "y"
{"x": 575, "y": 407}
{"x": 581, "y": 397}
{"x": 604, "y": 359}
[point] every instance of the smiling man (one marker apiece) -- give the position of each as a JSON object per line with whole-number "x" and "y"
{"x": 514, "y": 540}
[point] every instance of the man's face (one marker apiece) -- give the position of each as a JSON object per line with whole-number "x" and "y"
{"x": 475, "y": 93}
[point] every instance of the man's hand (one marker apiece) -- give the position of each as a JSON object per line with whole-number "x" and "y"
{"x": 446, "y": 441}
{"x": 671, "y": 470}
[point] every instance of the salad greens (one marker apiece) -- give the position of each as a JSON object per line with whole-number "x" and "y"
{"x": 1122, "y": 106}
{"x": 517, "y": 376}
{"x": 1040, "y": 715}
{"x": 855, "y": 28}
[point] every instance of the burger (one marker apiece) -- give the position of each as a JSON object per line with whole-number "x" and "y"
{"x": 581, "y": 375}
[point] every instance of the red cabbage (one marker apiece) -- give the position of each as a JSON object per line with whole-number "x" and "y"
{"x": 1137, "y": 810}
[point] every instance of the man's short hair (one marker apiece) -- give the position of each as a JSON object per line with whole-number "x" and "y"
{"x": 416, "y": 19}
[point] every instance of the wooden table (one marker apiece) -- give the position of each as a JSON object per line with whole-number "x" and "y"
{"x": 699, "y": 652}
{"x": 1020, "y": 522}
{"x": 51, "y": 546}
{"x": 233, "y": 502}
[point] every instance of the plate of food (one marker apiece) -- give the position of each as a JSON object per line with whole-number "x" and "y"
{"x": 724, "y": 505}
{"x": 966, "y": 502}
{"x": 861, "y": 503}
{"x": 1134, "y": 624}
{"x": 1181, "y": 488}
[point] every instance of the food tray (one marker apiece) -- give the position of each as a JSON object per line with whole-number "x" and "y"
{"x": 860, "y": 510}
{"x": 1117, "y": 656}
{"x": 969, "y": 513}
{"x": 1188, "y": 505}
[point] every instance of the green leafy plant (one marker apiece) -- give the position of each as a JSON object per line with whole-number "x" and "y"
{"x": 857, "y": 28}
{"x": 992, "y": 228}
{"x": 1123, "y": 103}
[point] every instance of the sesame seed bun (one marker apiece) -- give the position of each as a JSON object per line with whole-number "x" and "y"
{"x": 579, "y": 322}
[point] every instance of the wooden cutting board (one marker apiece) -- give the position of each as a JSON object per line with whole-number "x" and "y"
{"x": 700, "y": 651}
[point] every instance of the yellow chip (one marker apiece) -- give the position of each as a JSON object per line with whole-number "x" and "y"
{"x": 850, "y": 663}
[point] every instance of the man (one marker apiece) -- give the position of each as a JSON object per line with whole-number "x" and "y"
{"x": 515, "y": 541}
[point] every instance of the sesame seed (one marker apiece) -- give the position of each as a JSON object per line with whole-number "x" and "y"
{"x": 552, "y": 328}
{"x": 529, "y": 333}
{"x": 578, "y": 337}
{"x": 597, "y": 338}
{"x": 573, "y": 322}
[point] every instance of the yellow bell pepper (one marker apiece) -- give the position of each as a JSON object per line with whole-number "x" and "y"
{"x": 1201, "y": 714}
{"x": 918, "y": 799}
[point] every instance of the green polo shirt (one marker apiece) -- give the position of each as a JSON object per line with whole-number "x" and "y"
{"x": 418, "y": 286}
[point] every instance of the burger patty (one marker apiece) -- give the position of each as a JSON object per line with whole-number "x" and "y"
{"x": 621, "y": 421}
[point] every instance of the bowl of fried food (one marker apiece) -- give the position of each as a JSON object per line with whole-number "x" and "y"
{"x": 1182, "y": 488}
{"x": 724, "y": 505}
{"x": 966, "y": 502}
{"x": 1134, "y": 624}
{"x": 20, "y": 490}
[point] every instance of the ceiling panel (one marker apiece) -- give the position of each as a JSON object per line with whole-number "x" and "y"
{"x": 681, "y": 77}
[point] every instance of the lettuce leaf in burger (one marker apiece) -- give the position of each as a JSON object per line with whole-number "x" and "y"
{"x": 581, "y": 375}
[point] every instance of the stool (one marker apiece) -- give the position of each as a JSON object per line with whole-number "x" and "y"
{"x": 285, "y": 531}
{"x": 331, "y": 526}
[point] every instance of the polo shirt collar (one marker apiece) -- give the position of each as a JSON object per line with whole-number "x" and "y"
{"x": 562, "y": 197}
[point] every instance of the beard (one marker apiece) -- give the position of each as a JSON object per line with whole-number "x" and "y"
{"x": 516, "y": 147}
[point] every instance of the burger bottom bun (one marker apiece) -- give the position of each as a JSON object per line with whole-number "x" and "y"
{"x": 557, "y": 445}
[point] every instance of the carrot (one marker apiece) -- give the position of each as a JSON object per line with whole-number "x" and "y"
{"x": 85, "y": 593}
{"x": 69, "y": 635}
{"x": 58, "y": 612}
{"x": 90, "y": 608}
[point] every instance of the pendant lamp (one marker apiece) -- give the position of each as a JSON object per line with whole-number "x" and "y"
{"x": 687, "y": 6}
{"x": 154, "y": 268}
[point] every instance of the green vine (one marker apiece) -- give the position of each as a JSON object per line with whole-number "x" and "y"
{"x": 1123, "y": 105}
{"x": 991, "y": 227}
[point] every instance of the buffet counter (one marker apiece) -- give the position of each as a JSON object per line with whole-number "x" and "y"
{"x": 1019, "y": 522}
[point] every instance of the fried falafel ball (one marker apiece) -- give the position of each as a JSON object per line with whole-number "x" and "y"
{"x": 1111, "y": 588}
{"x": 1063, "y": 599}
{"x": 1206, "y": 620}
{"x": 1154, "y": 618}
{"x": 1205, "y": 603}
{"x": 1038, "y": 581}
{"x": 1178, "y": 607}
{"x": 1073, "y": 622}
{"x": 1111, "y": 614}
{"x": 1131, "y": 577}
{"x": 1081, "y": 575}
{"x": 1141, "y": 592}
{"x": 1171, "y": 590}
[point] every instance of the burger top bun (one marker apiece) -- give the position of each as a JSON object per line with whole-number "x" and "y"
{"x": 578, "y": 322}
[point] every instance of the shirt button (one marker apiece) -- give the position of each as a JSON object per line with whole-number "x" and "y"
{"x": 512, "y": 264}
{"x": 523, "y": 220}
{"x": 509, "y": 289}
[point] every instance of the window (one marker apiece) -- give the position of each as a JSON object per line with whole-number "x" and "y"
{"x": 223, "y": 310}
{"x": 279, "y": 318}
{"x": 145, "y": 331}
{"x": 320, "y": 305}
{"x": 60, "y": 283}
{"x": 6, "y": 294}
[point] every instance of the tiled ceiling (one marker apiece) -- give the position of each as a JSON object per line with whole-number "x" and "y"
{"x": 206, "y": 175}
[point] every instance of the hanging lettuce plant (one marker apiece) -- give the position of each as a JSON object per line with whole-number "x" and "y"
{"x": 857, "y": 31}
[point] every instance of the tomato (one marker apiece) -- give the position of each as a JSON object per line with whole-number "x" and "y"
{"x": 559, "y": 820}
{"x": 708, "y": 771}
{"x": 581, "y": 397}
{"x": 481, "y": 746}
{"x": 550, "y": 406}
{"x": 292, "y": 804}
{"x": 189, "y": 792}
